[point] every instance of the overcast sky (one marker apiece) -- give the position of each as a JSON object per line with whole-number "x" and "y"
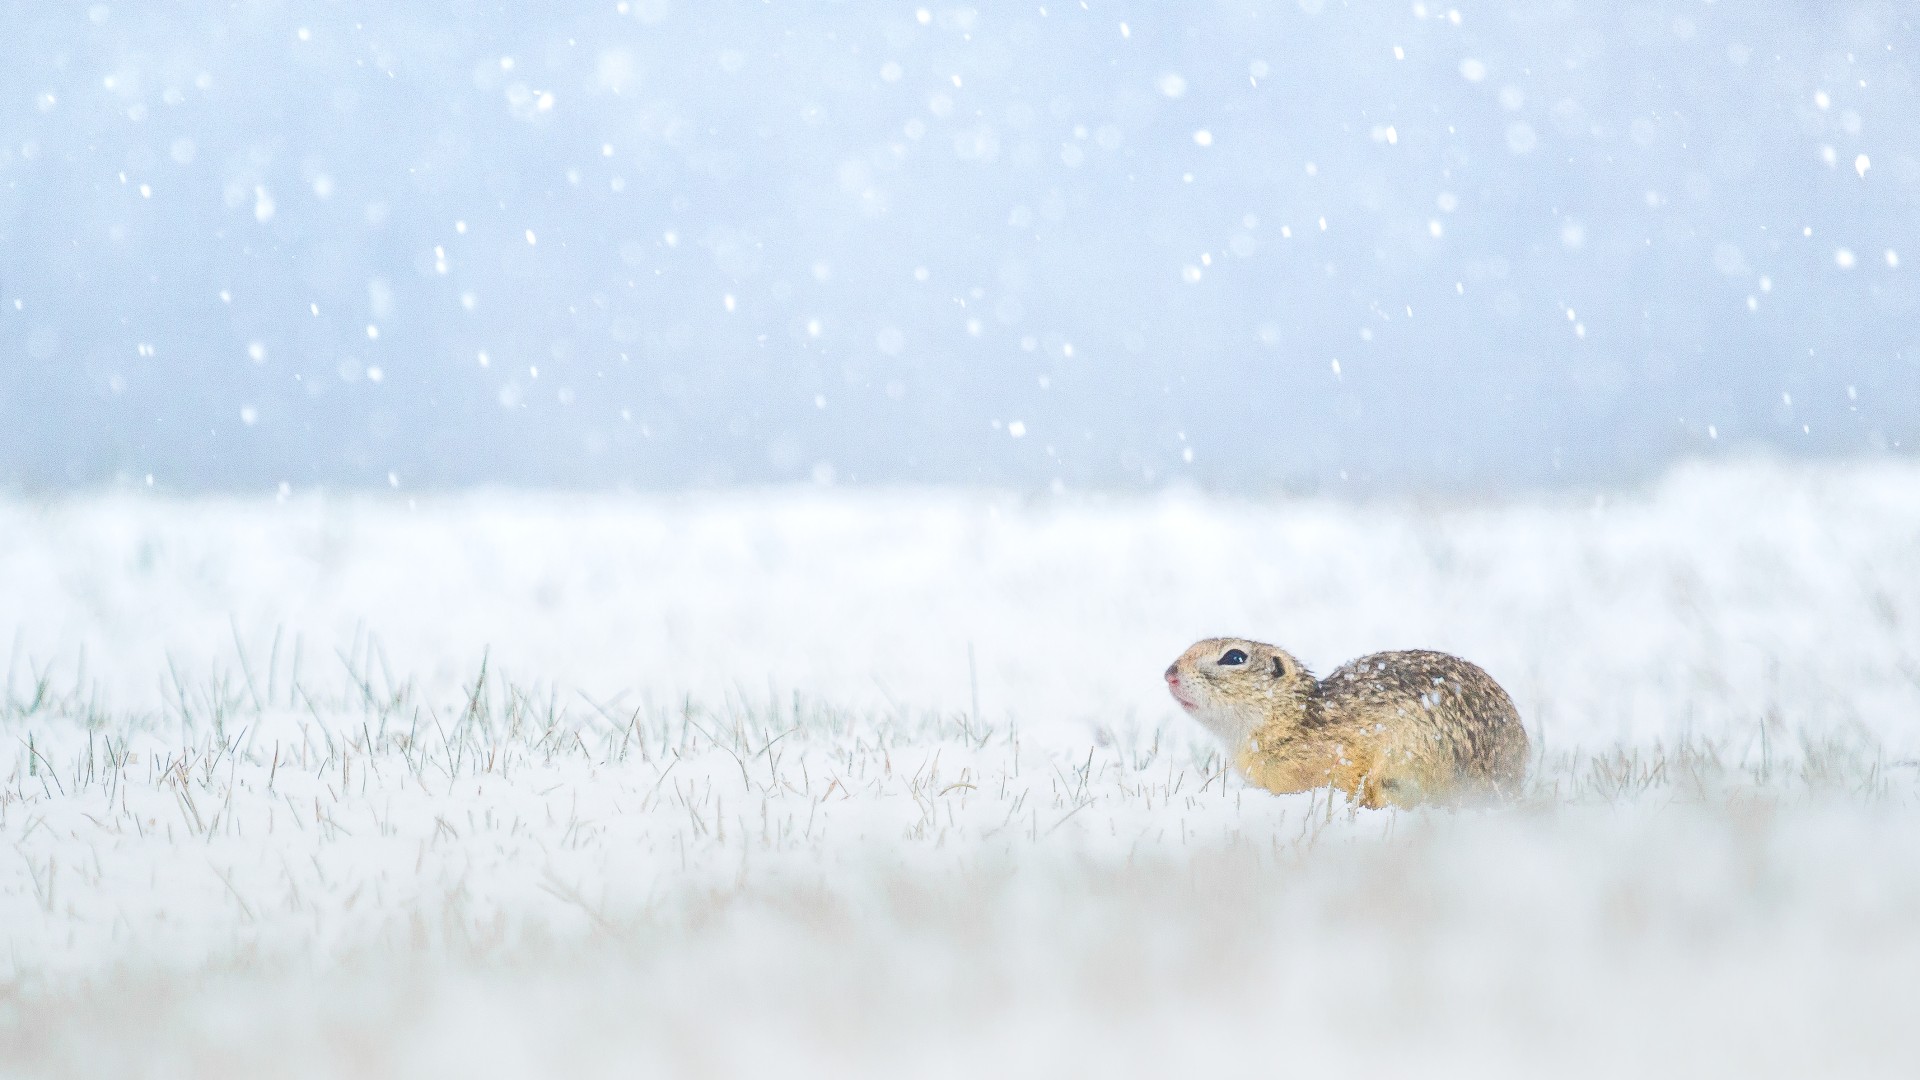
{"x": 1241, "y": 245}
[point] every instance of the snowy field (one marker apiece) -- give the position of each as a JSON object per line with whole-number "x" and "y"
{"x": 835, "y": 782}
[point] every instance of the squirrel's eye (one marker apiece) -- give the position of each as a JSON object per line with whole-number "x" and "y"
{"x": 1233, "y": 657}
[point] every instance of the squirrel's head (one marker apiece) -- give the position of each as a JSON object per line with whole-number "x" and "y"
{"x": 1233, "y": 686}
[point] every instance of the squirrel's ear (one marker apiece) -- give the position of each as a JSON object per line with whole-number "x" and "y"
{"x": 1279, "y": 668}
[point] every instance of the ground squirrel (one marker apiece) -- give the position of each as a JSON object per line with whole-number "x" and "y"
{"x": 1393, "y": 728}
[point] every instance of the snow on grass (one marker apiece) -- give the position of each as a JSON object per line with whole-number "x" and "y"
{"x": 501, "y": 786}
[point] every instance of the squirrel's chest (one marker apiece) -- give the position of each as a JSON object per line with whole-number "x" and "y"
{"x": 1292, "y": 766}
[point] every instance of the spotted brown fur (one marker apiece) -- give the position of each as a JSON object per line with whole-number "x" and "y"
{"x": 1392, "y": 728}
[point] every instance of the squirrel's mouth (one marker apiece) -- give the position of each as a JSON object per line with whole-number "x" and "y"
{"x": 1186, "y": 702}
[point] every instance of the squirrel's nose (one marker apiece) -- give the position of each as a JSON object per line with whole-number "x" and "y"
{"x": 1173, "y": 673}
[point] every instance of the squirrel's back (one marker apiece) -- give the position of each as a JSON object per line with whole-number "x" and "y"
{"x": 1440, "y": 721}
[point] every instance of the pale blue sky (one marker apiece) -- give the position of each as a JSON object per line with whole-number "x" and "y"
{"x": 1236, "y": 244}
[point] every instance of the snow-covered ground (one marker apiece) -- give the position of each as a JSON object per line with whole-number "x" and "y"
{"x": 880, "y": 782}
